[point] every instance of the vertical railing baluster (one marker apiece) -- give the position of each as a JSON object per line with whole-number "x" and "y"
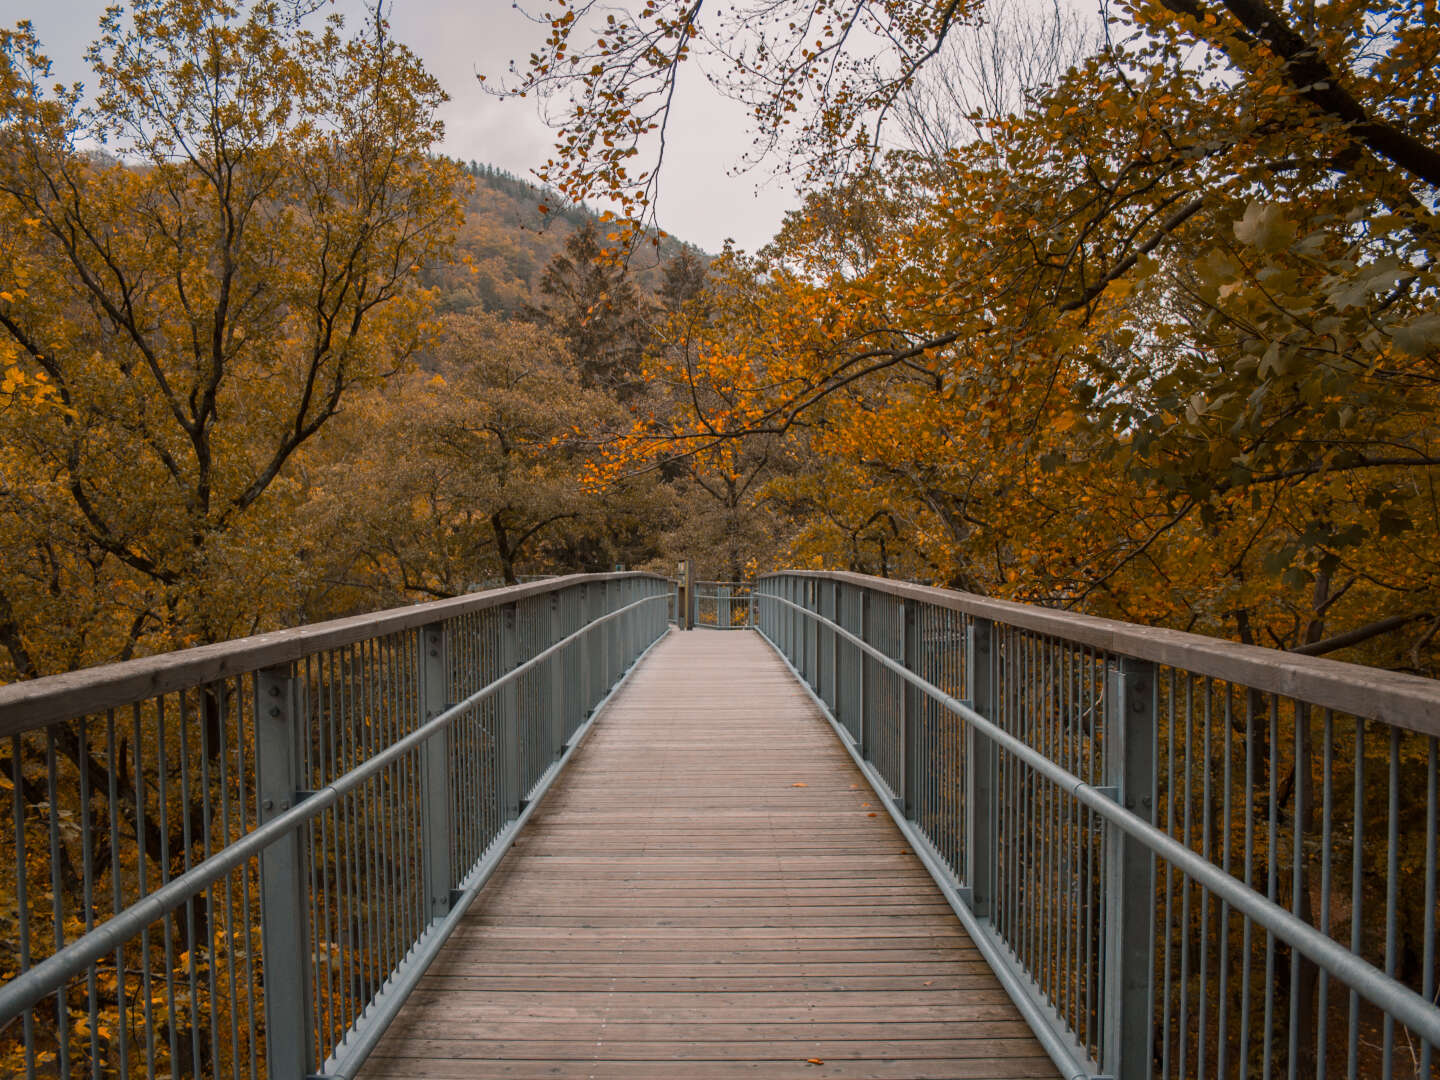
{"x": 283, "y": 918}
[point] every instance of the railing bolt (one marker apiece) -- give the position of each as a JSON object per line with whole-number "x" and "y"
{"x": 274, "y": 691}
{"x": 274, "y": 710}
{"x": 268, "y": 804}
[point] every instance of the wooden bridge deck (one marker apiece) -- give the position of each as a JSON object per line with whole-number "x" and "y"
{"x": 709, "y": 891}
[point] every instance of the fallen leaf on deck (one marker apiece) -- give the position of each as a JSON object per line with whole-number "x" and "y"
{"x": 815, "y": 1061}
{"x": 799, "y": 785}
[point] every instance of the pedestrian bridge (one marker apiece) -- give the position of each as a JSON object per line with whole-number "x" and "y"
{"x": 868, "y": 830}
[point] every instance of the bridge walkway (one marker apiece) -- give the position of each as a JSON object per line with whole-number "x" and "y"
{"x": 710, "y": 891}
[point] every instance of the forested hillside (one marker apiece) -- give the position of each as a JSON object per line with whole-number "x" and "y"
{"x": 512, "y": 231}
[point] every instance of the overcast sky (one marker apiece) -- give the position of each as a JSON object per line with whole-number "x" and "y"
{"x": 699, "y": 202}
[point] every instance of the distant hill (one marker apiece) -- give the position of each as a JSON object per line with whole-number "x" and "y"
{"x": 510, "y": 241}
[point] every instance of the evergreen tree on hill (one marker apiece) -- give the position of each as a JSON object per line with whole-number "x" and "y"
{"x": 594, "y": 307}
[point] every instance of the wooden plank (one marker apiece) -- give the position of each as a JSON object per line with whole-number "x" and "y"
{"x": 710, "y": 891}
{"x": 605, "y": 1048}
{"x": 532, "y": 1028}
{"x": 999, "y": 1068}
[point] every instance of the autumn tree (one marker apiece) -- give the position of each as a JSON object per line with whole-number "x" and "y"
{"x": 496, "y": 481}
{"x": 725, "y": 526}
{"x": 587, "y": 297}
{"x": 1196, "y": 272}
{"x": 201, "y": 265}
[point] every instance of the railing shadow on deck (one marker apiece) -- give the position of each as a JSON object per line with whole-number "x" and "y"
{"x": 236, "y": 860}
{"x": 1183, "y": 857}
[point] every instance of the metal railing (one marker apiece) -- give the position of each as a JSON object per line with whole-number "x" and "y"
{"x": 1183, "y": 857}
{"x": 715, "y": 605}
{"x": 722, "y": 605}
{"x": 236, "y": 860}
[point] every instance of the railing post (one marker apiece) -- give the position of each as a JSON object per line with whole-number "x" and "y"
{"x": 614, "y": 596}
{"x": 435, "y": 775}
{"x": 911, "y": 714}
{"x": 690, "y": 604}
{"x": 602, "y": 670}
{"x": 812, "y": 629}
{"x": 825, "y": 605}
{"x": 626, "y": 631}
{"x": 867, "y": 719}
{"x": 722, "y": 606}
{"x": 507, "y": 709}
{"x": 556, "y": 663}
{"x": 787, "y": 621}
{"x": 980, "y": 768}
{"x": 1129, "y": 873}
{"x": 802, "y": 655}
{"x": 834, "y": 615}
{"x": 807, "y": 630}
{"x": 579, "y": 673}
{"x": 285, "y": 948}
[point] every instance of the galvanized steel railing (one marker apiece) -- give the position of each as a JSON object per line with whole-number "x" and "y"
{"x": 715, "y": 605}
{"x": 236, "y": 860}
{"x": 1183, "y": 857}
{"x": 722, "y": 605}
